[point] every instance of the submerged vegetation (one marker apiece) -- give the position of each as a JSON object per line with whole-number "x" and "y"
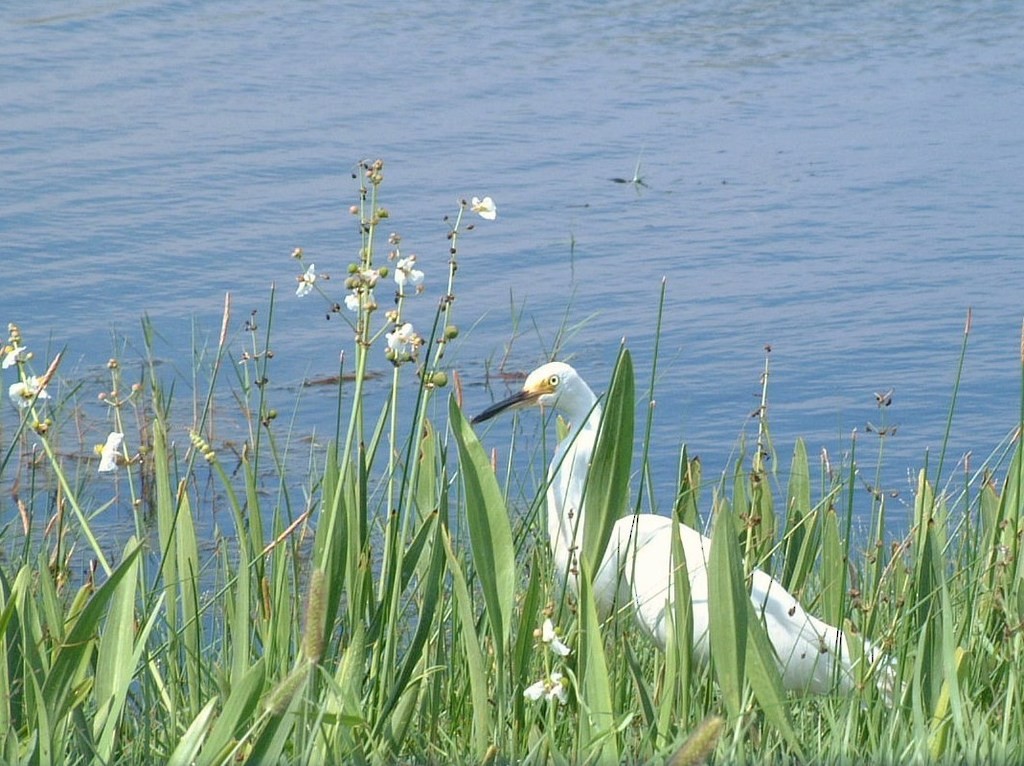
{"x": 398, "y": 604}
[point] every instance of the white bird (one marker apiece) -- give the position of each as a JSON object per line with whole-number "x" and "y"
{"x": 636, "y": 569}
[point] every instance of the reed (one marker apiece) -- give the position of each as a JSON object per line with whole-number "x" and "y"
{"x": 394, "y": 602}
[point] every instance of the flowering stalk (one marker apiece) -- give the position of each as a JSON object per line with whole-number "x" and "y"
{"x": 369, "y": 218}
{"x": 114, "y": 453}
{"x": 431, "y": 376}
{"x": 402, "y": 345}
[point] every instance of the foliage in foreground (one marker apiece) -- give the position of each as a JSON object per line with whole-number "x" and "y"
{"x": 401, "y": 612}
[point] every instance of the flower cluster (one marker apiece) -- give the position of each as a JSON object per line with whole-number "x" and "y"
{"x": 28, "y": 389}
{"x": 360, "y": 284}
{"x": 407, "y": 274}
{"x": 113, "y": 453}
{"x": 549, "y": 637}
{"x": 554, "y": 685}
{"x": 403, "y": 343}
{"x": 13, "y": 355}
{"x": 25, "y": 392}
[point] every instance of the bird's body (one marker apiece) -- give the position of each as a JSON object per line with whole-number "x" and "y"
{"x": 636, "y": 569}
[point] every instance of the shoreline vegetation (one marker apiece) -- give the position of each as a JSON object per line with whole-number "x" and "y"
{"x": 397, "y": 603}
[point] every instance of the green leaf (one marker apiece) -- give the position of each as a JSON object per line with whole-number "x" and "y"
{"x": 729, "y": 610}
{"x": 118, "y": 656}
{"x": 76, "y": 651}
{"x": 798, "y": 509}
{"x": 833, "y": 569}
{"x": 763, "y": 673}
{"x": 942, "y": 717}
{"x": 607, "y": 487}
{"x": 490, "y": 533}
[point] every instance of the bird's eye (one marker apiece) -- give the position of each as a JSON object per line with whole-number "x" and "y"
{"x": 553, "y": 380}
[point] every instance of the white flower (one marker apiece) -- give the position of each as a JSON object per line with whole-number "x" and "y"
{"x": 110, "y": 451}
{"x": 352, "y": 302}
{"x": 402, "y": 339}
{"x": 369, "y": 277}
{"x": 405, "y": 274}
{"x": 306, "y": 281}
{"x": 548, "y": 636}
{"x": 550, "y": 688}
{"x": 485, "y": 207}
{"x": 24, "y": 391}
{"x": 12, "y": 357}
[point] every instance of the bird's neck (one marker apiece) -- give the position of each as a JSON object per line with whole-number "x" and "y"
{"x": 567, "y": 477}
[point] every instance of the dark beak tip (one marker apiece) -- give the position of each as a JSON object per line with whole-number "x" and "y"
{"x": 496, "y": 409}
{"x": 486, "y": 415}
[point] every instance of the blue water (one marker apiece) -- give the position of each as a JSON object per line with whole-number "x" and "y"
{"x": 839, "y": 181}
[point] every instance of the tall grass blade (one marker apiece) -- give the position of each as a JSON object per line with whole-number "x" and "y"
{"x": 597, "y": 715}
{"x": 238, "y": 708}
{"x": 280, "y": 731}
{"x": 654, "y": 715}
{"x": 343, "y": 708}
{"x": 474, "y": 657}
{"x": 337, "y": 546}
{"x": 523, "y": 649}
{"x": 430, "y": 598}
{"x": 688, "y": 495}
{"x": 191, "y": 742}
{"x": 679, "y": 651}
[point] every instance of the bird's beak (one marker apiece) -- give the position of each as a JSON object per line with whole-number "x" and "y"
{"x": 520, "y": 399}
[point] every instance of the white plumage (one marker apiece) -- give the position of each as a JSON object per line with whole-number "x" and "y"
{"x": 636, "y": 572}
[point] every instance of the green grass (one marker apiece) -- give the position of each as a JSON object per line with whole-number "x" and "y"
{"x": 387, "y": 605}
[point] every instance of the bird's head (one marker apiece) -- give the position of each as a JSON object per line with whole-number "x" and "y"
{"x": 555, "y": 385}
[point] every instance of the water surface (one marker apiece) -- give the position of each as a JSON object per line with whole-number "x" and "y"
{"x": 839, "y": 182}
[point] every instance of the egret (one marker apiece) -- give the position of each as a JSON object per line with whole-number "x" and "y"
{"x": 636, "y": 569}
